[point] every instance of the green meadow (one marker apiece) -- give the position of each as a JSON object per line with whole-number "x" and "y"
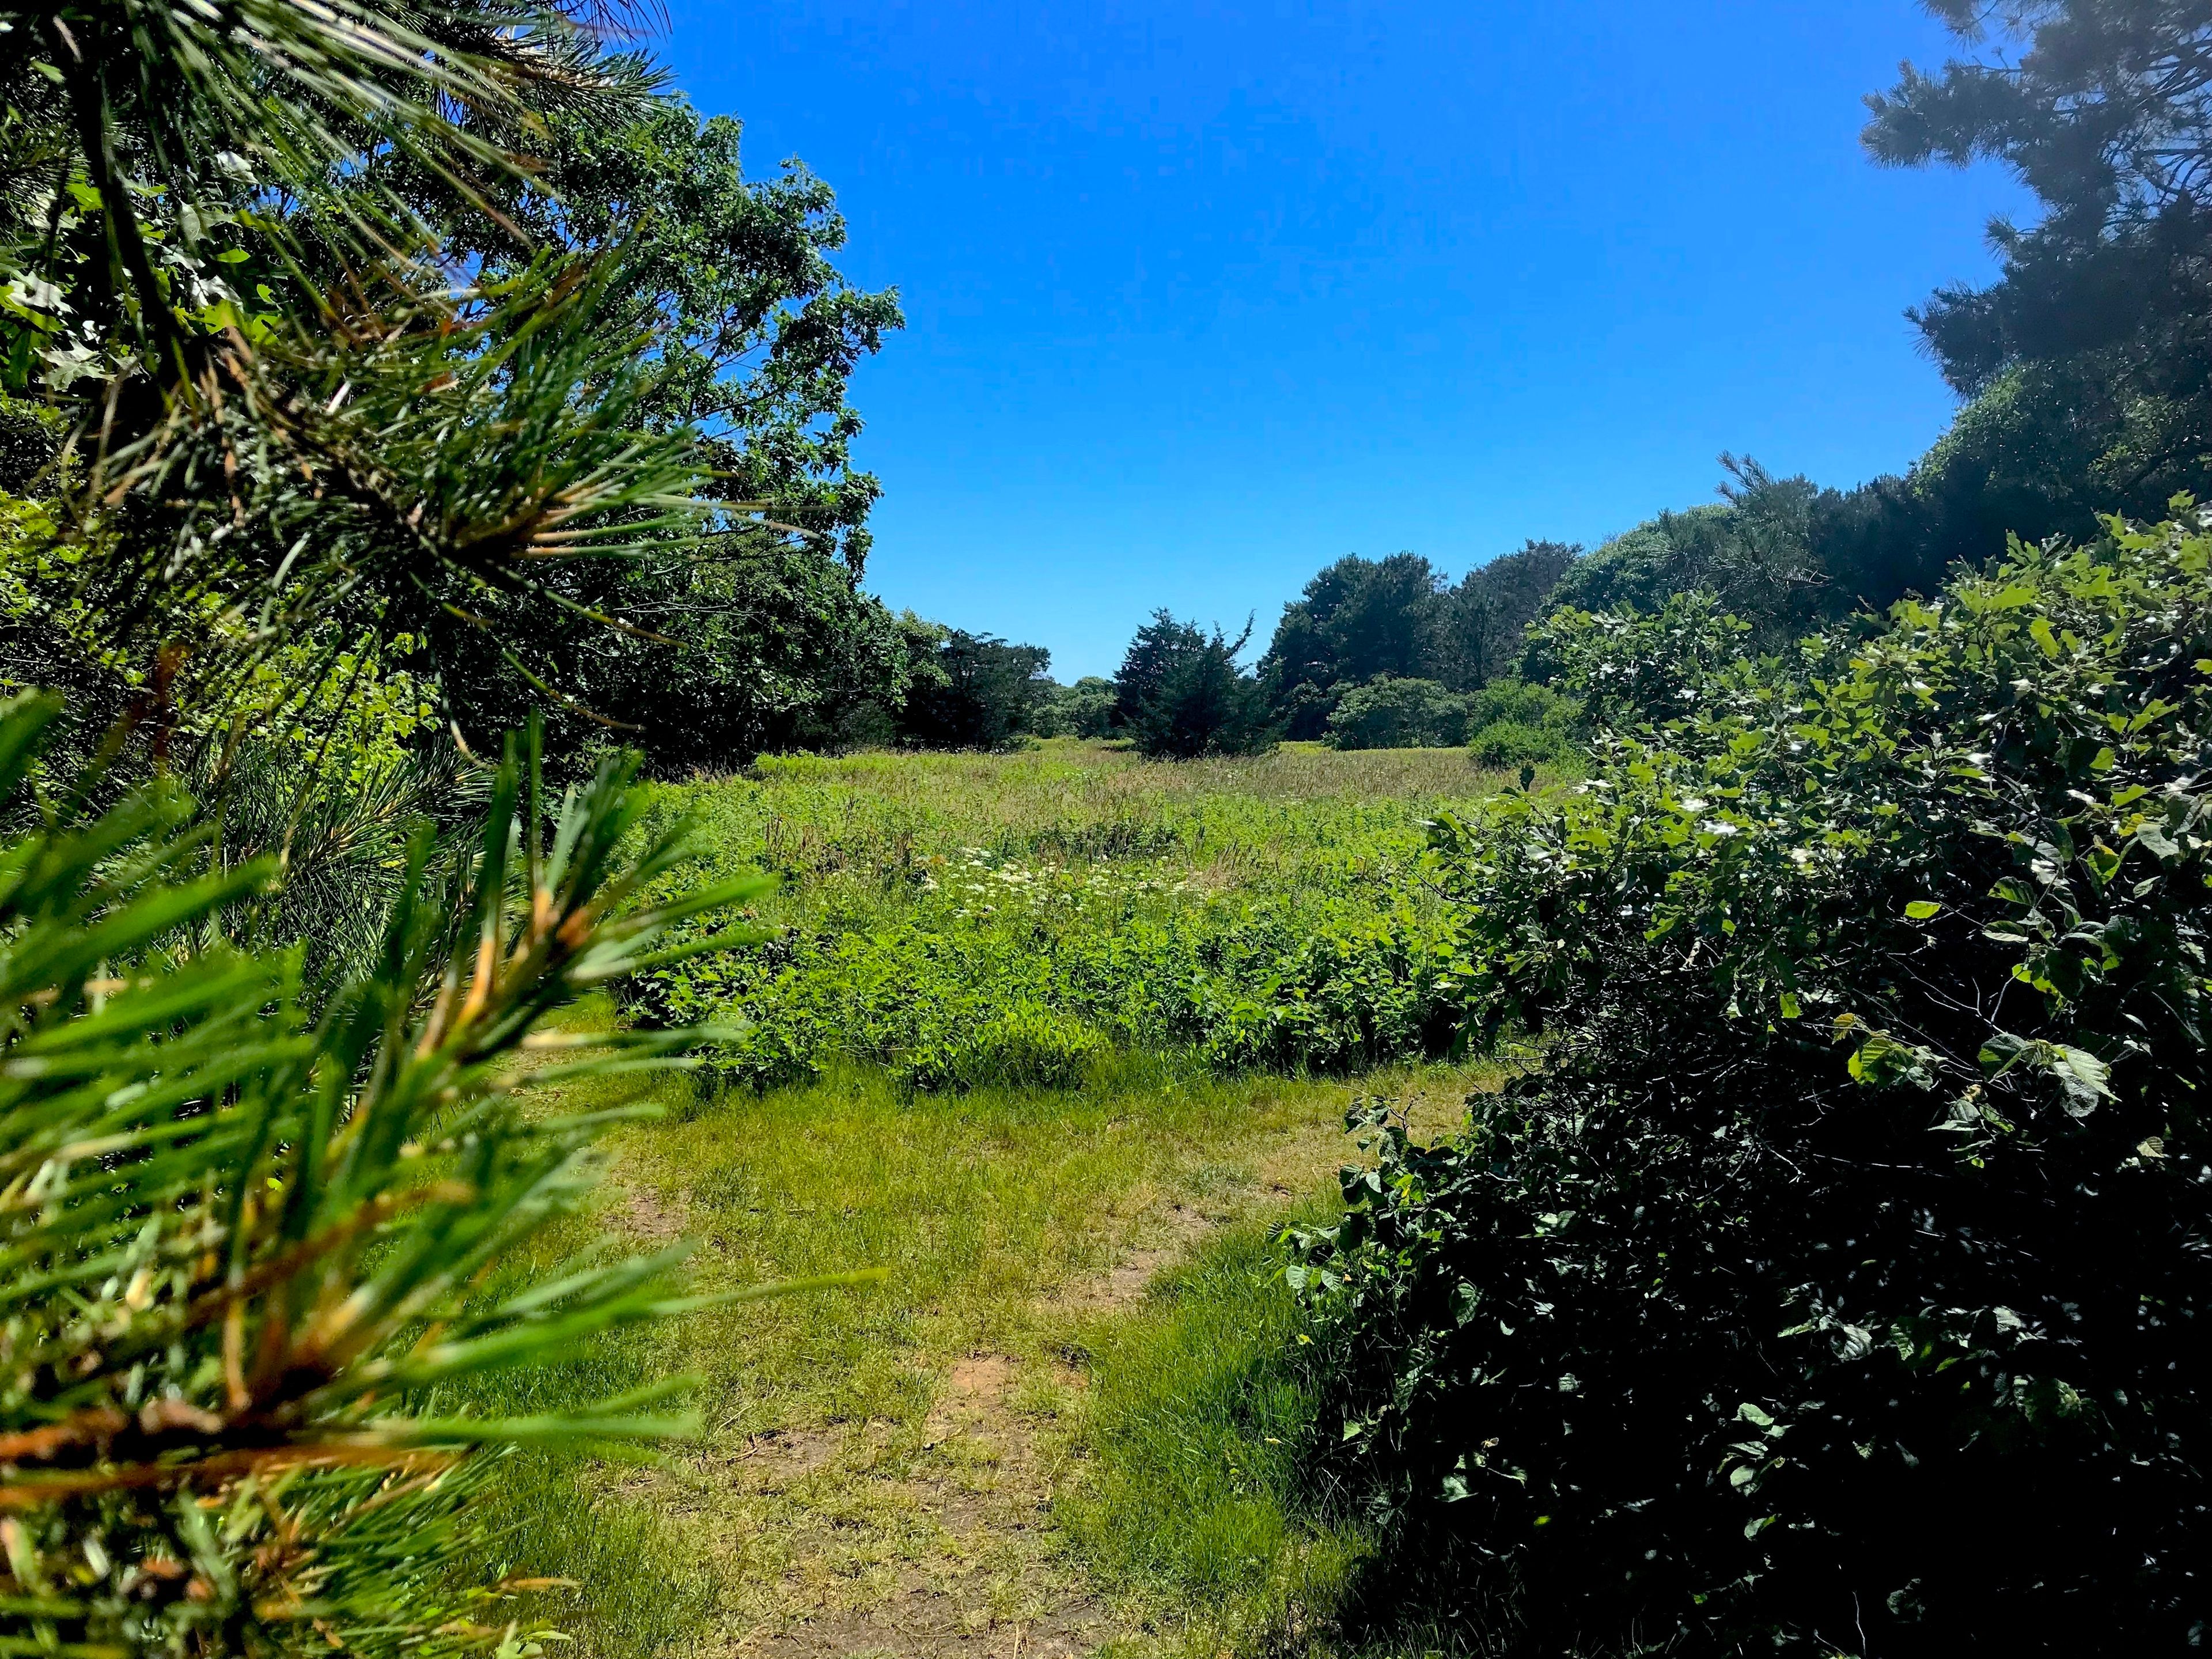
{"x": 1029, "y": 918}
{"x": 1070, "y": 1413}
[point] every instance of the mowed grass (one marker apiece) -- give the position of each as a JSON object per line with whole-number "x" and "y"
{"x": 1070, "y": 1413}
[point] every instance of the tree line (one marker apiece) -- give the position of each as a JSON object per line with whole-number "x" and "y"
{"x": 2085, "y": 372}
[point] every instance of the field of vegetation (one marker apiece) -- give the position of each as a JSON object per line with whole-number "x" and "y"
{"x": 967, "y": 918}
{"x": 1070, "y": 1413}
{"x": 1649, "y": 1101}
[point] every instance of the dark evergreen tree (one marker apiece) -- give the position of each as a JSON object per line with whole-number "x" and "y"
{"x": 1180, "y": 694}
{"x": 2097, "y": 335}
{"x": 1157, "y": 646}
{"x": 974, "y": 691}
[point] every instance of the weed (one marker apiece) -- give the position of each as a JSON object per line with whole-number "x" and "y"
{"x": 967, "y": 919}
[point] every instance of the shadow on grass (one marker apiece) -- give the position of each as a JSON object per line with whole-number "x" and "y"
{"x": 1204, "y": 1484}
{"x": 1196, "y": 1489}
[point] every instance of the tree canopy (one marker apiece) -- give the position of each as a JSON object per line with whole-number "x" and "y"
{"x": 974, "y": 691}
{"x": 1361, "y": 620}
{"x": 2099, "y": 315}
{"x": 466, "y": 228}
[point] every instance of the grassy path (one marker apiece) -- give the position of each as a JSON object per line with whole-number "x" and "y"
{"x": 917, "y": 1469}
{"x": 1066, "y": 1422}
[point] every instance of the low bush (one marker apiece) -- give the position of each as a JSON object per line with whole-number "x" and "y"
{"x": 1838, "y": 1282}
{"x": 1027, "y": 1046}
{"x": 1628, "y": 669}
{"x": 1511, "y": 723}
{"x": 1387, "y": 713}
{"x": 1085, "y": 709}
{"x": 1267, "y": 985}
{"x": 1504, "y": 744}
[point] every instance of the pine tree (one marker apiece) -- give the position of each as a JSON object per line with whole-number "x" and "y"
{"x": 259, "y": 1216}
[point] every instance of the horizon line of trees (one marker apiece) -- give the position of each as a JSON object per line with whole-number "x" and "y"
{"x": 2084, "y": 371}
{"x": 1180, "y": 691}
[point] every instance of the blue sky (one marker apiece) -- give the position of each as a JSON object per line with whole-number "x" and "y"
{"x": 1200, "y": 297}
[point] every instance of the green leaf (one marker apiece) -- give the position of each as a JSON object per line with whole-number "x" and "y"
{"x": 1922, "y": 909}
{"x": 2153, "y": 839}
{"x": 1882, "y": 1061}
{"x": 2083, "y": 1075}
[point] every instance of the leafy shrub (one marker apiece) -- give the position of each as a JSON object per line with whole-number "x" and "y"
{"x": 1629, "y": 668}
{"x": 1504, "y": 744}
{"x": 1338, "y": 997}
{"x": 1085, "y": 709}
{"x": 1399, "y": 714}
{"x": 1523, "y": 702}
{"x": 1513, "y": 723}
{"x": 1263, "y": 985}
{"x": 1838, "y": 1280}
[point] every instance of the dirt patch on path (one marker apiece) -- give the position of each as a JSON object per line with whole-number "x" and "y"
{"x": 928, "y": 1623}
{"x": 982, "y": 1480}
{"x": 978, "y": 1489}
{"x": 1169, "y": 1234}
{"x": 1296, "y": 1161}
{"x": 650, "y": 1216}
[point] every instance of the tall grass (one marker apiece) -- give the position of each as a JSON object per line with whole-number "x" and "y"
{"x": 968, "y": 919}
{"x": 855, "y": 835}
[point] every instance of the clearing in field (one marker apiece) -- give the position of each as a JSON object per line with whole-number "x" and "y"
{"x": 1065, "y": 1420}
